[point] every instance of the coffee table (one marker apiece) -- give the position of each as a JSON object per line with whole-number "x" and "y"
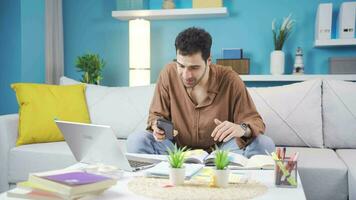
{"x": 121, "y": 191}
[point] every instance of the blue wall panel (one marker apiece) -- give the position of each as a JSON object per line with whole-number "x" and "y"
{"x": 10, "y": 53}
{"x": 247, "y": 27}
{"x": 89, "y": 28}
{"x": 22, "y": 47}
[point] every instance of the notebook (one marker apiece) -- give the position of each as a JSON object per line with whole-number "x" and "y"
{"x": 72, "y": 182}
{"x": 161, "y": 170}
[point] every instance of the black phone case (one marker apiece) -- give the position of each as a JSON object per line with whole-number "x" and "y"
{"x": 166, "y": 126}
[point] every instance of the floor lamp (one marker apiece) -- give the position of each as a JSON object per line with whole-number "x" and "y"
{"x": 139, "y": 52}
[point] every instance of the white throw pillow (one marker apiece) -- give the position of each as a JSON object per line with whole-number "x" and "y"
{"x": 125, "y": 109}
{"x": 292, "y": 113}
{"x": 339, "y": 114}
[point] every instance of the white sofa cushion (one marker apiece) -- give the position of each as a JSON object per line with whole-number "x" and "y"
{"x": 322, "y": 172}
{"x": 125, "y": 109}
{"x": 339, "y": 114}
{"x": 292, "y": 113}
{"x": 348, "y": 156}
{"x": 40, "y": 157}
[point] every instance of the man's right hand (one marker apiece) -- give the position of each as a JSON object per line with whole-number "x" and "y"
{"x": 158, "y": 134}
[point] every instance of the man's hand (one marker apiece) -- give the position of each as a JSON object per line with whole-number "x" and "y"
{"x": 226, "y": 130}
{"x": 158, "y": 134}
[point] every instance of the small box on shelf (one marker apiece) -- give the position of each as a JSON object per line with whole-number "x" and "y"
{"x": 342, "y": 65}
{"x": 241, "y": 66}
{"x": 132, "y": 4}
{"x": 207, "y": 3}
{"x": 232, "y": 53}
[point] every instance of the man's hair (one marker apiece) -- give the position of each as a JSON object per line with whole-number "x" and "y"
{"x": 193, "y": 40}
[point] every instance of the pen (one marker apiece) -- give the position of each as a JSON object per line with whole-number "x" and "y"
{"x": 284, "y": 153}
{"x": 278, "y": 172}
{"x": 292, "y": 163}
{"x": 279, "y": 153}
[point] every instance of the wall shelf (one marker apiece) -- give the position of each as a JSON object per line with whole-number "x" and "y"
{"x": 189, "y": 13}
{"x": 291, "y": 77}
{"x": 335, "y": 42}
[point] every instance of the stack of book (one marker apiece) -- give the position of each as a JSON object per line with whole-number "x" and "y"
{"x": 68, "y": 184}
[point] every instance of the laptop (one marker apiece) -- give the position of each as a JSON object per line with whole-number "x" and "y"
{"x": 93, "y": 144}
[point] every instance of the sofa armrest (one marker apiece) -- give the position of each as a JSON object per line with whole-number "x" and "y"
{"x": 8, "y": 137}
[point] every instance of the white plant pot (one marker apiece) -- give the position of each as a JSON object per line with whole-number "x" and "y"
{"x": 277, "y": 63}
{"x": 222, "y": 178}
{"x": 176, "y": 176}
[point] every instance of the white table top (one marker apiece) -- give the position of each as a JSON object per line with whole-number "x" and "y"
{"x": 121, "y": 191}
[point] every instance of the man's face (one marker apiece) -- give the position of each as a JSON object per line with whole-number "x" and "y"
{"x": 191, "y": 68}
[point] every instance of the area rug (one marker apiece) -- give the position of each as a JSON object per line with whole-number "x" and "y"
{"x": 160, "y": 189}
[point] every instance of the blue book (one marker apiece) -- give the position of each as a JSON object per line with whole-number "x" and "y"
{"x": 234, "y": 53}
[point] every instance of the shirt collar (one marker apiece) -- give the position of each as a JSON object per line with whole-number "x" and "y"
{"x": 213, "y": 86}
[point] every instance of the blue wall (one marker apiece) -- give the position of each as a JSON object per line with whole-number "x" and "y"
{"x": 89, "y": 27}
{"x": 22, "y": 43}
{"x": 33, "y": 41}
{"x": 10, "y": 52}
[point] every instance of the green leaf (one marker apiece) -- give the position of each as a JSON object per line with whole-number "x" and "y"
{"x": 176, "y": 157}
{"x": 284, "y": 30}
{"x": 91, "y": 65}
{"x": 221, "y": 158}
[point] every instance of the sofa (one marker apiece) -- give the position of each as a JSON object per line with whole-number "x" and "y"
{"x": 316, "y": 118}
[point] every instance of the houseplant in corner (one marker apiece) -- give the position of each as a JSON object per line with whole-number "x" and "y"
{"x": 280, "y": 35}
{"x": 91, "y": 65}
{"x": 176, "y": 158}
{"x": 221, "y": 161}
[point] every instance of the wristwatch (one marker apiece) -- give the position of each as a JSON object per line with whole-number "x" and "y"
{"x": 245, "y": 127}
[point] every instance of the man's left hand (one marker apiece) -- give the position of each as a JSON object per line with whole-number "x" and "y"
{"x": 224, "y": 131}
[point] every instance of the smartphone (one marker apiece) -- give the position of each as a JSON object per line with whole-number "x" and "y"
{"x": 166, "y": 126}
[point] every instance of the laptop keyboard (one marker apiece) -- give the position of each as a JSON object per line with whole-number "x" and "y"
{"x": 135, "y": 164}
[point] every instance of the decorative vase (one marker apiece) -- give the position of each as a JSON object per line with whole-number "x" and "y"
{"x": 222, "y": 177}
{"x": 277, "y": 62}
{"x": 176, "y": 176}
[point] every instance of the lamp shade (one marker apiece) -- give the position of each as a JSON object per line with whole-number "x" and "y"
{"x": 139, "y": 52}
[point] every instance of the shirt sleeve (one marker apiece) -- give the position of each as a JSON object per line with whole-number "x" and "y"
{"x": 245, "y": 110}
{"x": 160, "y": 104}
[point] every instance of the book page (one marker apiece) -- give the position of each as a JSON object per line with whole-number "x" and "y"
{"x": 261, "y": 161}
{"x": 195, "y": 156}
{"x": 237, "y": 159}
{"x": 209, "y": 160}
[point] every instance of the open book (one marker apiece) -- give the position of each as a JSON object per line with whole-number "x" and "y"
{"x": 237, "y": 161}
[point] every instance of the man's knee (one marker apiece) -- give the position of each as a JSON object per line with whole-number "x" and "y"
{"x": 139, "y": 142}
{"x": 265, "y": 143}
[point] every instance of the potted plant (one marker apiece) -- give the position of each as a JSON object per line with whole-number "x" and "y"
{"x": 280, "y": 35}
{"x": 91, "y": 65}
{"x": 221, "y": 172}
{"x": 176, "y": 160}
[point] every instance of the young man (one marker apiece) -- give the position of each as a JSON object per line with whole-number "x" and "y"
{"x": 208, "y": 104}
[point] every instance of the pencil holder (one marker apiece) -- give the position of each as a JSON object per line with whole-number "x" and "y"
{"x": 286, "y": 173}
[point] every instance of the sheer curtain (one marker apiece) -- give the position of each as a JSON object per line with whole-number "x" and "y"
{"x": 54, "y": 41}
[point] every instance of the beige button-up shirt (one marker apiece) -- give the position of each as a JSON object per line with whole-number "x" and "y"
{"x": 228, "y": 99}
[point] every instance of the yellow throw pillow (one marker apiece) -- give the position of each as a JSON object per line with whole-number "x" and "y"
{"x": 40, "y": 104}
